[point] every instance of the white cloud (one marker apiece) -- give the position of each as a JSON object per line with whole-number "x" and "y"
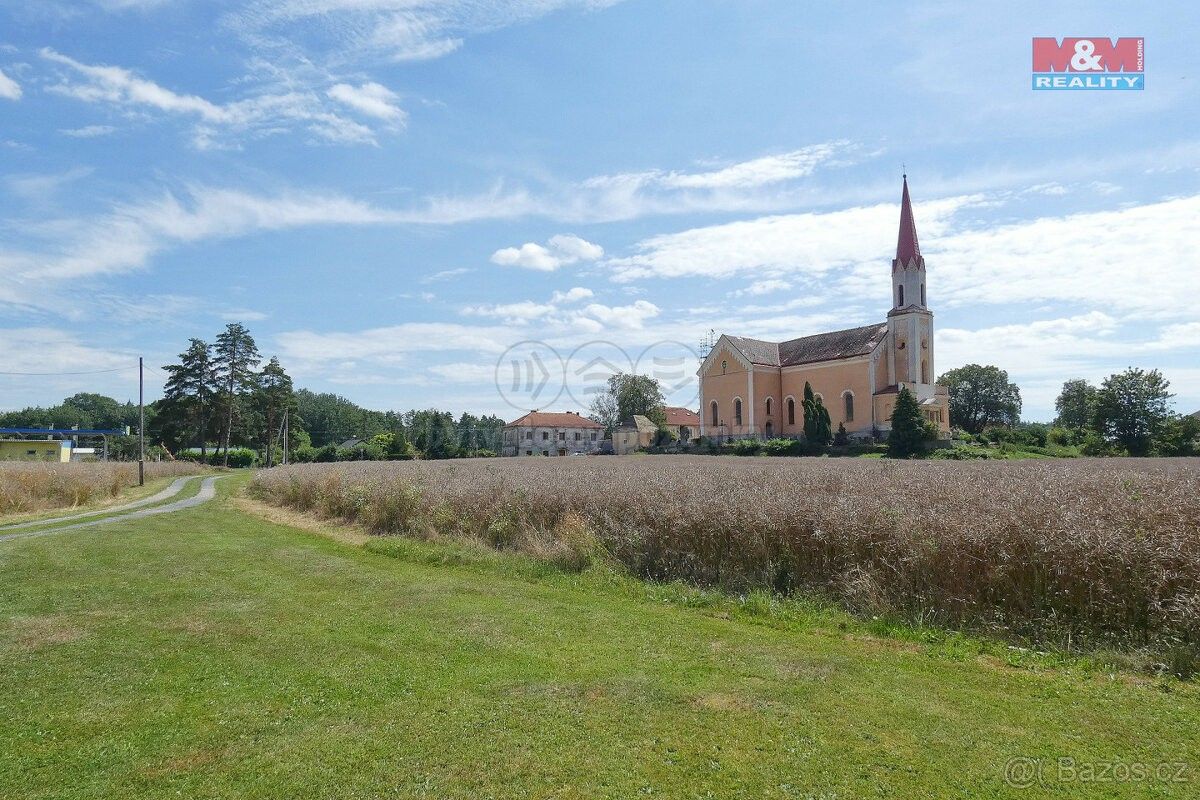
{"x": 630, "y": 316}
{"x": 372, "y": 99}
{"x": 1137, "y": 259}
{"x": 399, "y": 30}
{"x": 445, "y": 274}
{"x": 88, "y": 131}
{"x": 9, "y": 89}
{"x": 757, "y": 172}
{"x": 132, "y": 234}
{"x": 557, "y": 252}
{"x": 809, "y": 244}
{"x": 512, "y": 312}
{"x": 572, "y": 295}
{"x": 763, "y": 287}
{"x": 262, "y": 114}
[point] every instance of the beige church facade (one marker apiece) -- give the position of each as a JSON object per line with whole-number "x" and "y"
{"x": 751, "y": 387}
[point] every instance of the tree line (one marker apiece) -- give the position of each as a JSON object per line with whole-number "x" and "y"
{"x": 1129, "y": 412}
{"x": 224, "y": 403}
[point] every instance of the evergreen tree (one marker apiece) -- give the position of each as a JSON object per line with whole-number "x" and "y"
{"x": 818, "y": 428}
{"x": 907, "y": 438}
{"x": 275, "y": 396}
{"x": 235, "y": 357}
{"x": 188, "y": 393}
{"x": 841, "y": 438}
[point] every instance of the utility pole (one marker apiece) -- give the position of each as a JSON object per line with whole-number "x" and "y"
{"x": 141, "y": 424}
{"x": 286, "y": 433}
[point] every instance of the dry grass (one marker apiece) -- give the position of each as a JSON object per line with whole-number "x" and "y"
{"x": 38, "y": 486}
{"x": 1103, "y": 549}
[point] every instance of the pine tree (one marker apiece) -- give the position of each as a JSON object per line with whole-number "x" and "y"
{"x": 907, "y": 438}
{"x": 818, "y": 428}
{"x": 274, "y": 395}
{"x": 235, "y": 356}
{"x": 189, "y": 390}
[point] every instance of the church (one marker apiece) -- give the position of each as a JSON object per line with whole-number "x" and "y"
{"x": 751, "y": 387}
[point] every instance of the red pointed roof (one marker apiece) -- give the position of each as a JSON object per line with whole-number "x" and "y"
{"x": 907, "y": 247}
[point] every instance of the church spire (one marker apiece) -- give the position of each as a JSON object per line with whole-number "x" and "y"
{"x": 906, "y": 246}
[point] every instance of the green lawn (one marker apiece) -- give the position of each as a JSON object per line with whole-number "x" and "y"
{"x": 211, "y": 654}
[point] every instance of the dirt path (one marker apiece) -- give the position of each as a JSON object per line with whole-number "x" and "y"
{"x": 175, "y": 488}
{"x": 208, "y": 490}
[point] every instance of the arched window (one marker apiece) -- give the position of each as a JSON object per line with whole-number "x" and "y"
{"x": 848, "y": 401}
{"x": 737, "y": 411}
{"x": 724, "y": 366}
{"x": 901, "y": 295}
{"x": 922, "y": 294}
{"x": 924, "y": 372}
{"x": 768, "y": 406}
{"x": 715, "y": 420}
{"x": 791, "y": 410}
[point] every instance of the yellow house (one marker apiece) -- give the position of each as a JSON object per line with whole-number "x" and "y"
{"x": 35, "y": 450}
{"x": 751, "y": 387}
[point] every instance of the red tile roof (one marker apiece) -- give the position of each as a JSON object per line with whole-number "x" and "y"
{"x": 907, "y": 247}
{"x": 681, "y": 416}
{"x": 553, "y": 419}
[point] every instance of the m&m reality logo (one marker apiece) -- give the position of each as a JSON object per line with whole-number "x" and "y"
{"x": 1093, "y": 62}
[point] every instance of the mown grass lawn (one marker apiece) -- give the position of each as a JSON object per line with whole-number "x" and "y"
{"x": 212, "y": 654}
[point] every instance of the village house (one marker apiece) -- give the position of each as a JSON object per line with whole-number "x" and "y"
{"x": 683, "y": 422}
{"x": 751, "y": 387}
{"x": 633, "y": 435}
{"x": 639, "y": 432}
{"x": 549, "y": 433}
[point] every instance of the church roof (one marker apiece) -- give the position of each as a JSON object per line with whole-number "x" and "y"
{"x": 811, "y": 349}
{"x": 907, "y": 247}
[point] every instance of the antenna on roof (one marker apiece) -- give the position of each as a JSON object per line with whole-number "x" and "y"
{"x": 707, "y": 343}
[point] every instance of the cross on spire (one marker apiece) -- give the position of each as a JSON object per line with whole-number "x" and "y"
{"x": 907, "y": 247}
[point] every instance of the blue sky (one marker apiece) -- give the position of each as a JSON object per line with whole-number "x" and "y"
{"x": 391, "y": 193}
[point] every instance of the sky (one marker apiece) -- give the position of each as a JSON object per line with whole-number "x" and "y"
{"x": 483, "y": 205}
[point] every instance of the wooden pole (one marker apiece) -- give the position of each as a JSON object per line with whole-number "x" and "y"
{"x": 141, "y": 425}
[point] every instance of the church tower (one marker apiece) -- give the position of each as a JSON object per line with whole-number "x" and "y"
{"x": 910, "y": 322}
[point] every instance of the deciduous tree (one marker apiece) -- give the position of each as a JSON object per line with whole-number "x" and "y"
{"x": 981, "y": 396}
{"x": 1132, "y": 407}
{"x": 1076, "y": 405}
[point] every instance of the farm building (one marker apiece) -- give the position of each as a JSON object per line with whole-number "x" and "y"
{"x": 36, "y": 450}
{"x": 548, "y": 433}
{"x": 683, "y": 422}
{"x": 754, "y": 388}
{"x": 633, "y": 435}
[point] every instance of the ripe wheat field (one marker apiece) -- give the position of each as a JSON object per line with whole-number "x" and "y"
{"x": 39, "y": 486}
{"x": 1100, "y": 550}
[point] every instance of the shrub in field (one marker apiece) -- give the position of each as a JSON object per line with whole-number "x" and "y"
{"x": 746, "y": 447}
{"x": 37, "y": 486}
{"x": 1102, "y": 550}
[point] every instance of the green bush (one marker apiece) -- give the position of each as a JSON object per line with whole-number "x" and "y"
{"x": 746, "y": 447}
{"x": 238, "y": 457}
{"x": 783, "y": 447}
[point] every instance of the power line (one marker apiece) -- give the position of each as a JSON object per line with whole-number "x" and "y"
{"x": 53, "y": 374}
